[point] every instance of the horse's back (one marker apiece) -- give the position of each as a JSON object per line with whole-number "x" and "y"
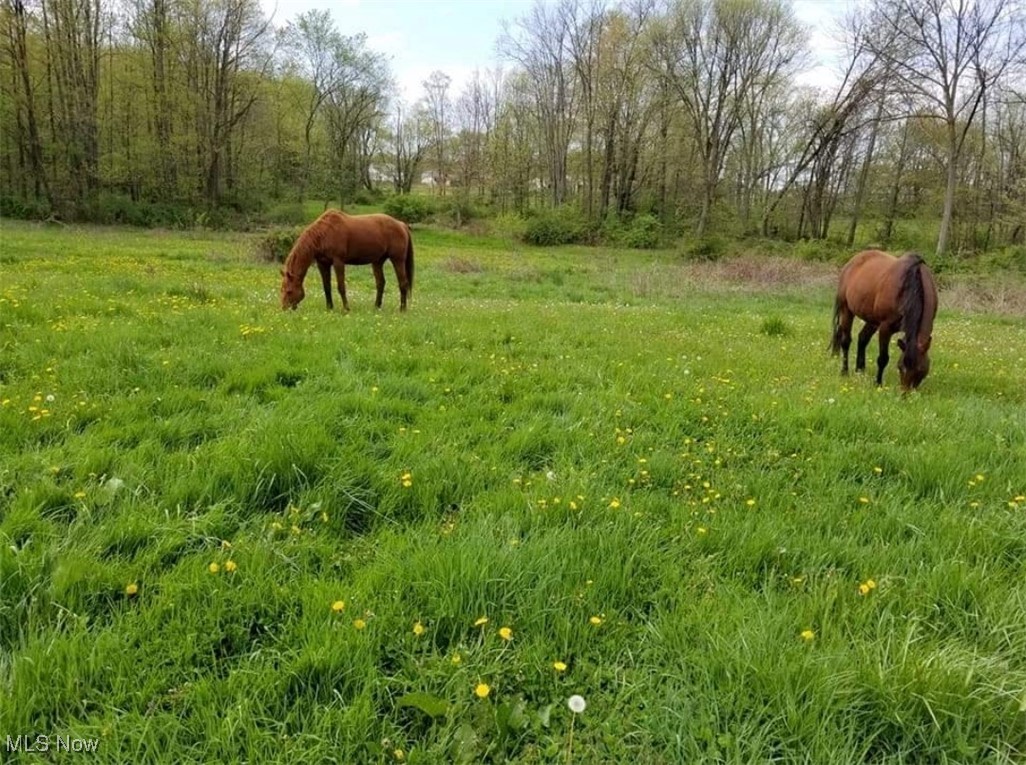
{"x": 870, "y": 284}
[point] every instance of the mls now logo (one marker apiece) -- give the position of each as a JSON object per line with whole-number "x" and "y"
{"x": 48, "y": 743}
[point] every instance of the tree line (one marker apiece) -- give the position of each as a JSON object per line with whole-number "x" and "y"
{"x": 688, "y": 111}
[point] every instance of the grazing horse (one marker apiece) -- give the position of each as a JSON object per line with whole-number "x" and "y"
{"x": 890, "y": 294}
{"x": 335, "y": 239}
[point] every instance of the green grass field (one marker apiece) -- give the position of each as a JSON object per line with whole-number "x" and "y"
{"x": 232, "y": 534}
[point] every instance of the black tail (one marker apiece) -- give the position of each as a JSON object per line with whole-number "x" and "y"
{"x": 835, "y": 337}
{"x": 912, "y": 300}
{"x": 409, "y": 258}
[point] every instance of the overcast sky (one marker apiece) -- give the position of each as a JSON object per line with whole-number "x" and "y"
{"x": 459, "y": 36}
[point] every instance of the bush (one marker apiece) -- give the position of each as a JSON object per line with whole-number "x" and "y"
{"x": 274, "y": 246}
{"x": 555, "y": 227}
{"x": 25, "y": 209}
{"x": 708, "y": 248}
{"x": 286, "y": 214}
{"x": 409, "y": 208}
{"x": 643, "y": 233}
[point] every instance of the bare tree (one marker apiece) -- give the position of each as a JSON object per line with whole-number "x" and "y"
{"x": 713, "y": 53}
{"x": 436, "y": 87}
{"x": 312, "y": 42}
{"x": 409, "y": 142}
{"x": 540, "y": 44}
{"x": 948, "y": 54}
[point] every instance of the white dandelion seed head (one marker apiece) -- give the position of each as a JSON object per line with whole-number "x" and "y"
{"x": 576, "y": 704}
{"x": 550, "y": 475}
{"x": 50, "y": 398}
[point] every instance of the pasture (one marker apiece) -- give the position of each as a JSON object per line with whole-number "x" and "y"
{"x": 231, "y": 533}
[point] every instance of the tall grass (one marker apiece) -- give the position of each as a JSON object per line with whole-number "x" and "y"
{"x": 669, "y": 490}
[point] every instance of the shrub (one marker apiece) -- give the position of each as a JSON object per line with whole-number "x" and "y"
{"x": 274, "y": 246}
{"x": 286, "y": 214}
{"x": 643, "y": 233}
{"x": 409, "y": 208}
{"x": 555, "y": 227}
{"x": 25, "y": 209}
{"x": 708, "y": 248}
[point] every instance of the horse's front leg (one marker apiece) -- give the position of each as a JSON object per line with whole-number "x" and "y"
{"x": 340, "y": 275}
{"x": 881, "y": 361}
{"x": 864, "y": 337}
{"x": 325, "y": 269}
{"x": 379, "y": 282}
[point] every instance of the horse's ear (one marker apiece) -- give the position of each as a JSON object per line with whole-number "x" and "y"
{"x": 901, "y": 344}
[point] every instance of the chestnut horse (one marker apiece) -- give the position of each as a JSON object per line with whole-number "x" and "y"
{"x": 335, "y": 239}
{"x": 890, "y": 294}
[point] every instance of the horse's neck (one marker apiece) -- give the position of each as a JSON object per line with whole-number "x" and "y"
{"x": 299, "y": 260}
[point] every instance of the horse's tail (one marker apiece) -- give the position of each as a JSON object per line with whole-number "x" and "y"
{"x": 835, "y": 336}
{"x": 409, "y": 257}
{"x": 912, "y": 300}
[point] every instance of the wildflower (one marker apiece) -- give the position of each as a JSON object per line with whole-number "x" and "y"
{"x": 407, "y": 480}
{"x": 702, "y": 530}
{"x": 359, "y": 624}
{"x": 864, "y": 500}
{"x": 577, "y": 704}
{"x": 596, "y": 620}
{"x": 807, "y": 635}
{"x": 615, "y": 503}
{"x": 456, "y": 659}
{"x": 481, "y": 690}
{"x": 80, "y": 495}
{"x": 750, "y": 502}
{"x": 878, "y": 470}
{"x": 213, "y": 568}
{"x": 338, "y": 606}
{"x": 230, "y": 566}
{"x": 559, "y": 666}
{"x": 399, "y": 754}
{"x": 481, "y": 621}
{"x": 225, "y": 544}
{"x": 418, "y": 629}
{"x": 505, "y": 633}
{"x": 131, "y": 589}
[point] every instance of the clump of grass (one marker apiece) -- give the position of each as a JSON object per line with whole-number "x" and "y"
{"x": 774, "y": 326}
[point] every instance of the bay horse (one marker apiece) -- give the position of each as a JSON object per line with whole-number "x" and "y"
{"x": 336, "y": 239}
{"x": 889, "y": 294}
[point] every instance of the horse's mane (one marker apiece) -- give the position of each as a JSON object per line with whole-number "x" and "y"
{"x": 912, "y": 300}
{"x": 306, "y": 246}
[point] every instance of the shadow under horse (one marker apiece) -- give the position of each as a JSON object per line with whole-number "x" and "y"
{"x": 890, "y": 294}
{"x": 336, "y": 239}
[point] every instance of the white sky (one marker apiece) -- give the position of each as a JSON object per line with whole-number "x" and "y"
{"x": 459, "y": 36}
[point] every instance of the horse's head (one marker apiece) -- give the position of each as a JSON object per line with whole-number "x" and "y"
{"x": 291, "y": 291}
{"x": 914, "y": 367}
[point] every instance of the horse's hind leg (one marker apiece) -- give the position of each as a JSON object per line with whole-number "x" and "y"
{"x": 325, "y": 269}
{"x": 404, "y": 282}
{"x": 844, "y": 336}
{"x": 864, "y": 337}
{"x": 340, "y": 275}
{"x": 379, "y": 282}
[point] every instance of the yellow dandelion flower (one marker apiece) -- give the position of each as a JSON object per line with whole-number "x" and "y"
{"x": 399, "y": 754}
{"x": 808, "y": 635}
{"x": 338, "y": 606}
{"x": 750, "y": 502}
{"x": 702, "y": 530}
{"x": 481, "y": 621}
{"x": 230, "y": 566}
{"x": 863, "y": 589}
{"x": 864, "y": 500}
{"x": 505, "y": 633}
{"x": 481, "y": 690}
{"x": 559, "y": 666}
{"x": 871, "y": 584}
{"x": 418, "y": 629}
{"x": 80, "y": 495}
{"x": 456, "y": 659}
{"x": 359, "y": 624}
{"x": 213, "y": 568}
{"x": 615, "y": 503}
{"x": 225, "y": 544}
{"x": 595, "y": 620}
{"x": 131, "y": 589}
{"x": 878, "y": 470}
